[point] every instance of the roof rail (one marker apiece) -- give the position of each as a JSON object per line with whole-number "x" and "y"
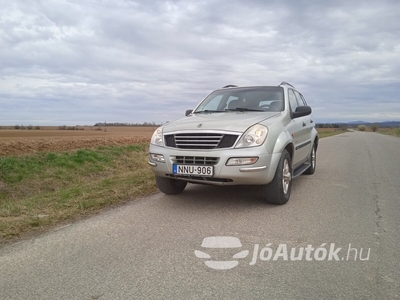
{"x": 287, "y": 83}
{"x": 229, "y": 86}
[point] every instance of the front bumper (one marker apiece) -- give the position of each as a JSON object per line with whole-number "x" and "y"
{"x": 259, "y": 173}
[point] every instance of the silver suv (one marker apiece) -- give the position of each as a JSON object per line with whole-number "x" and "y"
{"x": 259, "y": 135}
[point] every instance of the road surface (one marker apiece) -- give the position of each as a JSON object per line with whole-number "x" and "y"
{"x": 343, "y": 220}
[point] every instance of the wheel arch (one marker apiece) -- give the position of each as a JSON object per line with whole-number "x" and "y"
{"x": 290, "y": 148}
{"x": 316, "y": 141}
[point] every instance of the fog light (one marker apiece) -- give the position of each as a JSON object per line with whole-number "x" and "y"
{"x": 240, "y": 161}
{"x": 157, "y": 157}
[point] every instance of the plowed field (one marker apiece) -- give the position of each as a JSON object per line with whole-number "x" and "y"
{"x": 16, "y": 142}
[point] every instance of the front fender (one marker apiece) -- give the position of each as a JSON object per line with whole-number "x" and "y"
{"x": 282, "y": 141}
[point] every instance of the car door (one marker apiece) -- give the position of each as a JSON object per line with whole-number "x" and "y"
{"x": 308, "y": 120}
{"x": 299, "y": 131}
{"x": 307, "y": 126}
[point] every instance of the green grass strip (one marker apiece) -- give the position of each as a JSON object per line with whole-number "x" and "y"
{"x": 46, "y": 188}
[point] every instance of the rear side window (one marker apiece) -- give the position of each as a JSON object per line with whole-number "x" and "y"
{"x": 300, "y": 99}
{"x": 292, "y": 100}
{"x": 304, "y": 100}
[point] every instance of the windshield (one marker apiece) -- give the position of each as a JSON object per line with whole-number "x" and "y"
{"x": 243, "y": 99}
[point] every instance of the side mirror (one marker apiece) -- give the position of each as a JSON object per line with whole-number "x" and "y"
{"x": 188, "y": 112}
{"x": 302, "y": 111}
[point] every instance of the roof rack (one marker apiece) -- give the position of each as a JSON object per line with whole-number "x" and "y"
{"x": 287, "y": 83}
{"x": 229, "y": 86}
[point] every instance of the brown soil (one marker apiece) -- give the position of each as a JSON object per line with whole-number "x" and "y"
{"x": 16, "y": 142}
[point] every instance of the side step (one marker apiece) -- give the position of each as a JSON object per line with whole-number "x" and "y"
{"x": 300, "y": 170}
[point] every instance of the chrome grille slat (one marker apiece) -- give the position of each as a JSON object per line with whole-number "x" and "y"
{"x": 195, "y": 141}
{"x": 205, "y": 145}
{"x": 197, "y": 136}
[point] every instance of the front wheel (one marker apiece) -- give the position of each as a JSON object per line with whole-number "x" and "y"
{"x": 278, "y": 190}
{"x": 170, "y": 186}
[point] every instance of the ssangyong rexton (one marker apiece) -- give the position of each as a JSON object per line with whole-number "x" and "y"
{"x": 258, "y": 135}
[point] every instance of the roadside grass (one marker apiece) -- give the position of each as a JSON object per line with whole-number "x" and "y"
{"x": 325, "y": 132}
{"x": 389, "y": 131}
{"x": 43, "y": 189}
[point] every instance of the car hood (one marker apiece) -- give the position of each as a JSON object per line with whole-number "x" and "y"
{"x": 229, "y": 121}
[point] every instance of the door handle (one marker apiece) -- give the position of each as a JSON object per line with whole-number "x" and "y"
{"x": 304, "y": 124}
{"x": 311, "y": 121}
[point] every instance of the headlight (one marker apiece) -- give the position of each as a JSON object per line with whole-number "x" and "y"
{"x": 157, "y": 138}
{"x": 253, "y": 137}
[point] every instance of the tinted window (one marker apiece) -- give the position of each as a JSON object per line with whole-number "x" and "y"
{"x": 292, "y": 100}
{"x": 233, "y": 102}
{"x": 213, "y": 104}
{"x": 256, "y": 98}
{"x": 304, "y": 100}
{"x": 300, "y": 99}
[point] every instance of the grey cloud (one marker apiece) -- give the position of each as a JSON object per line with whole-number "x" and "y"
{"x": 151, "y": 60}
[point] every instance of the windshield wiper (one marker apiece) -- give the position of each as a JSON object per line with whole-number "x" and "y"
{"x": 244, "y": 109}
{"x": 207, "y": 111}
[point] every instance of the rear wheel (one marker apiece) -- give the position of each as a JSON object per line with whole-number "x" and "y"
{"x": 278, "y": 190}
{"x": 313, "y": 161}
{"x": 170, "y": 186}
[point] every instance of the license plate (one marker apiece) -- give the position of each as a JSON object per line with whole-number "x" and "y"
{"x": 193, "y": 170}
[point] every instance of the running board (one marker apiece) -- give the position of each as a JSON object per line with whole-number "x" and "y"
{"x": 300, "y": 170}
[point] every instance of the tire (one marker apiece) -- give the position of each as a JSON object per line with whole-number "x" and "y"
{"x": 313, "y": 160}
{"x": 170, "y": 186}
{"x": 278, "y": 190}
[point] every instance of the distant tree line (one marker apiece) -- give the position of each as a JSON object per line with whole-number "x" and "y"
{"x": 29, "y": 127}
{"x": 126, "y": 124}
{"x": 328, "y": 125}
{"x": 65, "y": 127}
{"x": 337, "y": 126}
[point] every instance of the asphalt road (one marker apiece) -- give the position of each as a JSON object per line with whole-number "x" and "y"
{"x": 146, "y": 249}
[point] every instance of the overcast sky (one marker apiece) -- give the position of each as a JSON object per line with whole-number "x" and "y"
{"x": 87, "y": 61}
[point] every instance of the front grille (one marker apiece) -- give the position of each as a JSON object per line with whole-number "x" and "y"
{"x": 200, "y": 140}
{"x": 196, "y": 160}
